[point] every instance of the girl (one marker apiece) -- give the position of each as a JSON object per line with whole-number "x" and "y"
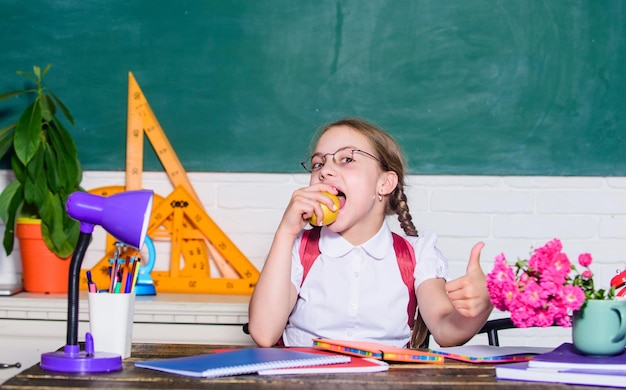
{"x": 354, "y": 289}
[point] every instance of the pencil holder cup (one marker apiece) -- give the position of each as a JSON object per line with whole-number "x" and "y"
{"x": 599, "y": 328}
{"x": 111, "y": 322}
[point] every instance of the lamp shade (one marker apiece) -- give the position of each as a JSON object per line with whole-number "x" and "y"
{"x": 125, "y": 215}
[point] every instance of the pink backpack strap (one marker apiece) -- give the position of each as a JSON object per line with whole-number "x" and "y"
{"x": 406, "y": 262}
{"x": 309, "y": 250}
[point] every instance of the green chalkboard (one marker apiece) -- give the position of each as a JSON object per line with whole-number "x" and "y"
{"x": 512, "y": 87}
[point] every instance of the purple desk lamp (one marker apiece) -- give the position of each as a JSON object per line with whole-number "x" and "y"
{"x": 125, "y": 216}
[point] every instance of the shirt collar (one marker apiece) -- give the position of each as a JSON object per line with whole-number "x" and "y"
{"x": 334, "y": 245}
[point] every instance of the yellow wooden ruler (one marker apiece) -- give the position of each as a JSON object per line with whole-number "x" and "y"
{"x": 141, "y": 120}
{"x": 192, "y": 242}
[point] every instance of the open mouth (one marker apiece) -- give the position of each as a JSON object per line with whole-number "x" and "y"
{"x": 342, "y": 199}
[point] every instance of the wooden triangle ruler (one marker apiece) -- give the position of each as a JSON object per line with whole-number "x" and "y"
{"x": 141, "y": 120}
{"x": 189, "y": 220}
{"x": 179, "y": 218}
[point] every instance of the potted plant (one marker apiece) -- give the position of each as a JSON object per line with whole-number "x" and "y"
{"x": 45, "y": 163}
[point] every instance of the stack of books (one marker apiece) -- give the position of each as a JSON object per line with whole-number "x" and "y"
{"x": 565, "y": 365}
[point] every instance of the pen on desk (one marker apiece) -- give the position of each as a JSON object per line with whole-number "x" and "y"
{"x": 8, "y": 365}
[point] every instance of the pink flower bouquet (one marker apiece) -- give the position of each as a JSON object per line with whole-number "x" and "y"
{"x": 540, "y": 291}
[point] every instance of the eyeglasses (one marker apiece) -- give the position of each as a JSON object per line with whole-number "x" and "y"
{"x": 341, "y": 157}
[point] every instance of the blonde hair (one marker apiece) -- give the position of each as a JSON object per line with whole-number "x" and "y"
{"x": 391, "y": 159}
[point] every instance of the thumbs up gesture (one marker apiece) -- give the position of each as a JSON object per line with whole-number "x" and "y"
{"x": 468, "y": 294}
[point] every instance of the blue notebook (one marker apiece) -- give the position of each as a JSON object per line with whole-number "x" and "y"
{"x": 241, "y": 361}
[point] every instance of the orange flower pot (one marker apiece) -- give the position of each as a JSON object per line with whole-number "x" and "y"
{"x": 42, "y": 270}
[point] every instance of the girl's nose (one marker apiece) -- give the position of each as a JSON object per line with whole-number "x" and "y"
{"x": 328, "y": 169}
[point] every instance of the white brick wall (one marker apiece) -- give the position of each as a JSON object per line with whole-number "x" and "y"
{"x": 510, "y": 214}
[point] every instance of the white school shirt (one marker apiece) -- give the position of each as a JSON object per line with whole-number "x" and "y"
{"x": 357, "y": 292}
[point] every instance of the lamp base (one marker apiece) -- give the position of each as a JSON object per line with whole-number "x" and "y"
{"x": 71, "y": 359}
{"x": 144, "y": 289}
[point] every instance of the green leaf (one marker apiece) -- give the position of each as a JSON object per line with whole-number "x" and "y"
{"x": 11, "y": 199}
{"x": 46, "y": 70}
{"x": 49, "y": 228}
{"x": 18, "y": 168}
{"x": 70, "y": 236}
{"x": 47, "y": 210}
{"x": 53, "y": 226}
{"x": 6, "y": 139}
{"x": 37, "y": 72}
{"x": 8, "y": 95}
{"x": 48, "y": 109}
{"x": 64, "y": 140}
{"x": 6, "y": 197}
{"x": 36, "y": 185}
{"x": 28, "y": 133}
{"x": 35, "y": 168}
{"x": 69, "y": 168}
{"x": 51, "y": 169}
{"x": 62, "y": 106}
{"x": 30, "y": 76}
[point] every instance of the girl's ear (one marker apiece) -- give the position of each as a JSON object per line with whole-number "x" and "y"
{"x": 388, "y": 182}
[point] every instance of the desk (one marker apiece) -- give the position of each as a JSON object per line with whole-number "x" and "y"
{"x": 470, "y": 376}
{"x": 31, "y": 324}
